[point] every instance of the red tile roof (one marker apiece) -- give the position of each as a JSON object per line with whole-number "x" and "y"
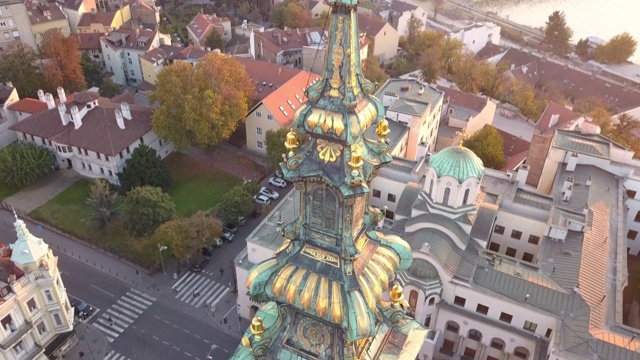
{"x": 553, "y": 110}
{"x": 267, "y": 77}
{"x": 99, "y": 131}
{"x": 515, "y": 149}
{"x": 42, "y": 13}
{"x": 28, "y": 105}
{"x": 370, "y": 24}
{"x": 90, "y": 41}
{"x": 463, "y": 99}
{"x": 202, "y": 24}
{"x": 285, "y": 100}
{"x": 131, "y": 37}
{"x": 490, "y": 50}
{"x": 101, "y": 17}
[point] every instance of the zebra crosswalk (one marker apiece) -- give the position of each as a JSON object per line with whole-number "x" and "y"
{"x": 210, "y": 292}
{"x": 112, "y": 355}
{"x": 123, "y": 313}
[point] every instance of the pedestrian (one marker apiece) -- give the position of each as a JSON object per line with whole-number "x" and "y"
{"x": 197, "y": 293}
{"x": 221, "y": 272}
{"x": 194, "y": 294}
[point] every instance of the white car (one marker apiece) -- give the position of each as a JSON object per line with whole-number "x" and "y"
{"x": 277, "y": 182}
{"x": 271, "y": 194}
{"x": 261, "y": 199}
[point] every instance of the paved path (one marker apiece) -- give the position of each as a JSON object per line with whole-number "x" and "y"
{"x": 92, "y": 344}
{"x": 43, "y": 190}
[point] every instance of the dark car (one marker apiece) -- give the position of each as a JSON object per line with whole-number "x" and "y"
{"x": 231, "y": 227}
{"x": 207, "y": 250}
{"x": 199, "y": 265}
{"x": 240, "y": 220}
{"x": 82, "y": 309}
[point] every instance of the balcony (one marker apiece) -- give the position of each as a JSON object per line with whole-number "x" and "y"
{"x": 15, "y": 336}
{"x": 33, "y": 353}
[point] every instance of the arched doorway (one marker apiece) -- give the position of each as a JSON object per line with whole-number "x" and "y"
{"x": 451, "y": 336}
{"x": 472, "y": 343}
{"x": 495, "y": 350}
{"x": 521, "y": 353}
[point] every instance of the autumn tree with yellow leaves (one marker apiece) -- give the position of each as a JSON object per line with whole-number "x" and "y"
{"x": 201, "y": 104}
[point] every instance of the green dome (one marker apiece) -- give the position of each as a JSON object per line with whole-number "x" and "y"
{"x": 457, "y": 162}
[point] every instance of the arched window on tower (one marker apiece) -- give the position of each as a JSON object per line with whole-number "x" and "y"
{"x": 466, "y": 197}
{"x": 445, "y": 198}
{"x": 431, "y": 187}
{"x": 324, "y": 209}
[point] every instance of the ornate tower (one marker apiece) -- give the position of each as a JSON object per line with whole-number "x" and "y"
{"x": 323, "y": 288}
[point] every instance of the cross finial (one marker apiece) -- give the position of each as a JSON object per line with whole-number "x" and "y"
{"x": 463, "y": 135}
{"x": 14, "y": 212}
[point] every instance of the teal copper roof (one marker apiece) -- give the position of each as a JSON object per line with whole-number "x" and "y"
{"x": 457, "y": 162}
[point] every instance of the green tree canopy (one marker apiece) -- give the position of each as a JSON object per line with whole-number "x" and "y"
{"x": 236, "y": 202}
{"x": 104, "y": 201}
{"x": 617, "y": 50}
{"x": 373, "y": 72}
{"x": 145, "y": 208}
{"x": 205, "y": 227}
{"x": 202, "y": 104}
{"x": 414, "y": 27}
{"x": 109, "y": 89}
{"x": 486, "y": 143}
{"x": 582, "y": 48}
{"x": 177, "y": 236}
{"x": 468, "y": 75}
{"x": 291, "y": 14}
{"x": 19, "y": 66}
{"x": 22, "y": 163}
{"x": 144, "y": 167}
{"x": 91, "y": 70}
{"x": 557, "y": 34}
{"x": 62, "y": 67}
{"x": 214, "y": 40}
{"x": 274, "y": 140}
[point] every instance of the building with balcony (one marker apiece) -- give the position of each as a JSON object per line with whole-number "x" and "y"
{"x": 91, "y": 134}
{"x": 35, "y": 309}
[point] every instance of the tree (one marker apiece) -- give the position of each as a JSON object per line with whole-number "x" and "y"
{"x": 274, "y": 140}
{"x": 414, "y": 27}
{"x": 617, "y": 50}
{"x": 177, "y": 236}
{"x": 202, "y": 104}
{"x": 494, "y": 80}
{"x": 467, "y": 75}
{"x": 62, "y": 67}
{"x": 451, "y": 54}
{"x": 437, "y": 5}
{"x": 109, "y": 89}
{"x": 291, "y": 14}
{"x": 19, "y": 67}
{"x": 91, "y": 70}
{"x": 214, "y": 40}
{"x": 105, "y": 203}
{"x": 487, "y": 144}
{"x": 236, "y": 202}
{"x": 145, "y": 208}
{"x": 621, "y": 131}
{"x": 557, "y": 34}
{"x": 373, "y": 72}
{"x": 144, "y": 168}
{"x": 204, "y": 227}
{"x": 524, "y": 97}
{"x": 602, "y": 118}
{"x": 582, "y": 48}
{"x": 431, "y": 65}
{"x": 22, "y": 163}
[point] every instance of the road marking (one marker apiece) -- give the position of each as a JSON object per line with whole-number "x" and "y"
{"x": 177, "y": 348}
{"x": 207, "y": 341}
{"x": 186, "y": 353}
{"x": 143, "y": 294}
{"x": 187, "y": 331}
{"x": 164, "y": 342}
{"x": 155, "y": 337}
{"x": 108, "y": 293}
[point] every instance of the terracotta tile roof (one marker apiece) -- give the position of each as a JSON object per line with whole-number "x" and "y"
{"x": 285, "y": 100}
{"x": 268, "y": 77}
{"x": 75, "y": 4}
{"x": 131, "y": 39}
{"x": 561, "y": 117}
{"x": 463, "y": 99}
{"x": 99, "y": 131}
{"x": 515, "y": 149}
{"x": 370, "y": 24}
{"x": 146, "y": 86}
{"x": 101, "y": 17}
{"x": 28, "y": 105}
{"x": 125, "y": 97}
{"x": 90, "y": 41}
{"x": 163, "y": 52}
{"x": 574, "y": 83}
{"x": 202, "y": 24}
{"x": 193, "y": 52}
{"x": 43, "y": 13}
{"x": 490, "y": 50}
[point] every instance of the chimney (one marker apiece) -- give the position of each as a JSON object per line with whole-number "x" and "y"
{"x": 62, "y": 109}
{"x": 51, "y": 103}
{"x": 61, "y": 95}
{"x": 119, "y": 119}
{"x": 125, "y": 111}
{"x": 554, "y": 120}
{"x": 279, "y": 70}
{"x": 524, "y": 70}
{"x": 41, "y": 95}
{"x": 75, "y": 117}
{"x": 569, "y": 107}
{"x": 568, "y": 182}
{"x": 567, "y": 194}
{"x": 521, "y": 175}
{"x": 421, "y": 90}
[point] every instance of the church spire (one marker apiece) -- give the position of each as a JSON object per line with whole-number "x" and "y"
{"x": 28, "y": 249}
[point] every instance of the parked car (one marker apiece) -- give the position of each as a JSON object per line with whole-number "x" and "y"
{"x": 227, "y": 236}
{"x": 271, "y": 194}
{"x": 277, "y": 182}
{"x": 230, "y": 227}
{"x": 82, "y": 309}
{"x": 217, "y": 242}
{"x": 261, "y": 200}
{"x": 279, "y": 174}
{"x": 208, "y": 250}
{"x": 200, "y": 264}
{"x": 240, "y": 221}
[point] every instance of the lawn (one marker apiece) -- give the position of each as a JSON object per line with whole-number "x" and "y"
{"x": 7, "y": 190}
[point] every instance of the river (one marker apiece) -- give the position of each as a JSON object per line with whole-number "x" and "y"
{"x": 601, "y": 18}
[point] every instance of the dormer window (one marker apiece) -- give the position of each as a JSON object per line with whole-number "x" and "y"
{"x": 46, "y": 13}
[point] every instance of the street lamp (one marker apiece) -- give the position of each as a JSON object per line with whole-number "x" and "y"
{"x": 210, "y": 350}
{"x": 161, "y": 249}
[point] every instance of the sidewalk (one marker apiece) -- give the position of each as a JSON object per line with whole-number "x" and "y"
{"x": 43, "y": 190}
{"x": 92, "y": 344}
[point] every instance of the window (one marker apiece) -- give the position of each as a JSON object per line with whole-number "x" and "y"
{"x": 453, "y": 327}
{"x": 57, "y": 319}
{"x": 258, "y": 114}
{"x": 102, "y": 171}
{"x": 527, "y": 257}
{"x": 460, "y": 301}
{"x": 427, "y": 321}
{"x": 108, "y": 57}
{"x": 18, "y": 348}
{"x": 482, "y": 309}
{"x": 31, "y": 305}
{"x": 42, "y": 328}
{"x": 515, "y": 234}
{"x": 391, "y": 197}
{"x": 128, "y": 151}
{"x": 86, "y": 153}
{"x": 637, "y": 218}
{"x": 432, "y": 301}
{"x": 130, "y": 62}
{"x": 99, "y": 156}
{"x": 466, "y": 196}
{"x": 497, "y": 344}
{"x": 259, "y": 131}
{"x": 259, "y": 144}
{"x": 120, "y": 155}
{"x": 160, "y": 142}
{"x": 445, "y": 198}
{"x": 494, "y": 247}
{"x": 521, "y": 353}
{"x": 89, "y": 166}
{"x": 430, "y": 186}
{"x": 631, "y": 235}
{"x": 7, "y": 324}
{"x": 548, "y": 333}
{"x": 534, "y": 239}
{"x": 376, "y": 193}
{"x": 269, "y": 117}
{"x": 390, "y": 215}
{"x": 47, "y": 293}
{"x": 110, "y": 173}
{"x": 498, "y": 229}
{"x": 84, "y": 167}
{"x": 324, "y": 209}
{"x": 631, "y": 194}
{"x": 511, "y": 252}
{"x": 506, "y": 317}
{"x": 475, "y": 335}
{"x": 530, "y": 326}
